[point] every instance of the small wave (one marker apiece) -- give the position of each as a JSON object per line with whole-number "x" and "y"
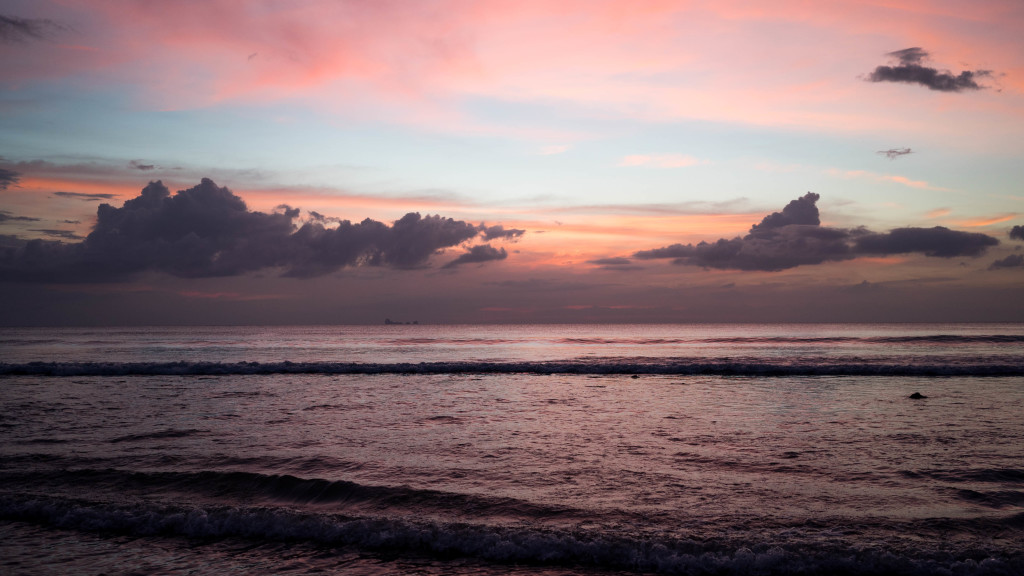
{"x": 925, "y": 339}
{"x": 896, "y": 366}
{"x": 287, "y": 489}
{"x": 634, "y": 341}
{"x": 155, "y": 435}
{"x": 43, "y": 441}
{"x": 991, "y": 475}
{"x": 993, "y": 499}
{"x": 455, "y": 341}
{"x": 783, "y": 339}
{"x": 952, "y": 339}
{"x": 501, "y": 544}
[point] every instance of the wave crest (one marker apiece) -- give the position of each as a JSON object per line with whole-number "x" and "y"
{"x": 896, "y": 366}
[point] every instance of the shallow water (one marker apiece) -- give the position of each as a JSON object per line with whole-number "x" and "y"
{"x": 510, "y": 471}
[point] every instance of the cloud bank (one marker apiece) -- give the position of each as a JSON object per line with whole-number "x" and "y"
{"x": 208, "y": 231}
{"x": 911, "y": 71}
{"x": 795, "y": 237}
{"x": 1017, "y": 233}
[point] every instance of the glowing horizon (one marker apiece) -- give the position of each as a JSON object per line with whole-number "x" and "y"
{"x": 622, "y": 141}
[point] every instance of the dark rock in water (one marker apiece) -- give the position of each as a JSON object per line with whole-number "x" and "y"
{"x": 917, "y": 396}
{"x": 634, "y": 376}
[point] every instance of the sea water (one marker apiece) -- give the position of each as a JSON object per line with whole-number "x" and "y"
{"x": 553, "y": 449}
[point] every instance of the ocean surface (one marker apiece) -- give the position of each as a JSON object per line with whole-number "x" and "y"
{"x": 555, "y": 449}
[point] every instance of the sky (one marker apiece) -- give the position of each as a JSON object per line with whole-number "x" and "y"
{"x": 448, "y": 161}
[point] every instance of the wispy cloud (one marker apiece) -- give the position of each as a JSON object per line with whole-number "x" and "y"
{"x": 6, "y": 216}
{"x": 14, "y": 29}
{"x": 618, "y": 264}
{"x": 86, "y": 196}
{"x": 54, "y": 233}
{"x": 902, "y": 180}
{"x": 7, "y": 178}
{"x": 986, "y": 221}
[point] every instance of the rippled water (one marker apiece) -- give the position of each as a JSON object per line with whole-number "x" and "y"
{"x": 164, "y": 451}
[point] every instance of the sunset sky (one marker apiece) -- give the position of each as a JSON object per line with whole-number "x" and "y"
{"x": 562, "y": 161}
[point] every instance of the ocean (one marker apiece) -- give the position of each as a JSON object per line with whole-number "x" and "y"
{"x": 535, "y": 449}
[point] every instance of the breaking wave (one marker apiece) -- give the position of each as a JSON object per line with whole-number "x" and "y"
{"x": 511, "y": 543}
{"x": 852, "y": 366}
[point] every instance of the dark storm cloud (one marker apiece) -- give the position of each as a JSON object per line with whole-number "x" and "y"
{"x": 938, "y": 242}
{"x": 795, "y": 237}
{"x": 208, "y": 231}
{"x": 894, "y": 153}
{"x": 1011, "y": 261}
{"x": 478, "y": 254}
{"x": 315, "y": 216}
{"x": 6, "y": 216}
{"x": 911, "y": 71}
{"x": 85, "y": 197}
{"x": 498, "y": 231}
{"x": 782, "y": 240}
{"x": 138, "y": 165}
{"x": 14, "y": 29}
{"x": 1017, "y": 233}
{"x": 9, "y": 241}
{"x": 802, "y": 211}
{"x": 8, "y": 177}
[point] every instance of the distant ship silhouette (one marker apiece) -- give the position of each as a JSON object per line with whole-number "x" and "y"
{"x": 390, "y": 322}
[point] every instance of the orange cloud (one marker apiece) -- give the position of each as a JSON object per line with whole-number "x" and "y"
{"x": 920, "y": 184}
{"x": 980, "y": 222}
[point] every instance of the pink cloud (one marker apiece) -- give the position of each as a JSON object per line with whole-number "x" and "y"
{"x": 418, "y": 63}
